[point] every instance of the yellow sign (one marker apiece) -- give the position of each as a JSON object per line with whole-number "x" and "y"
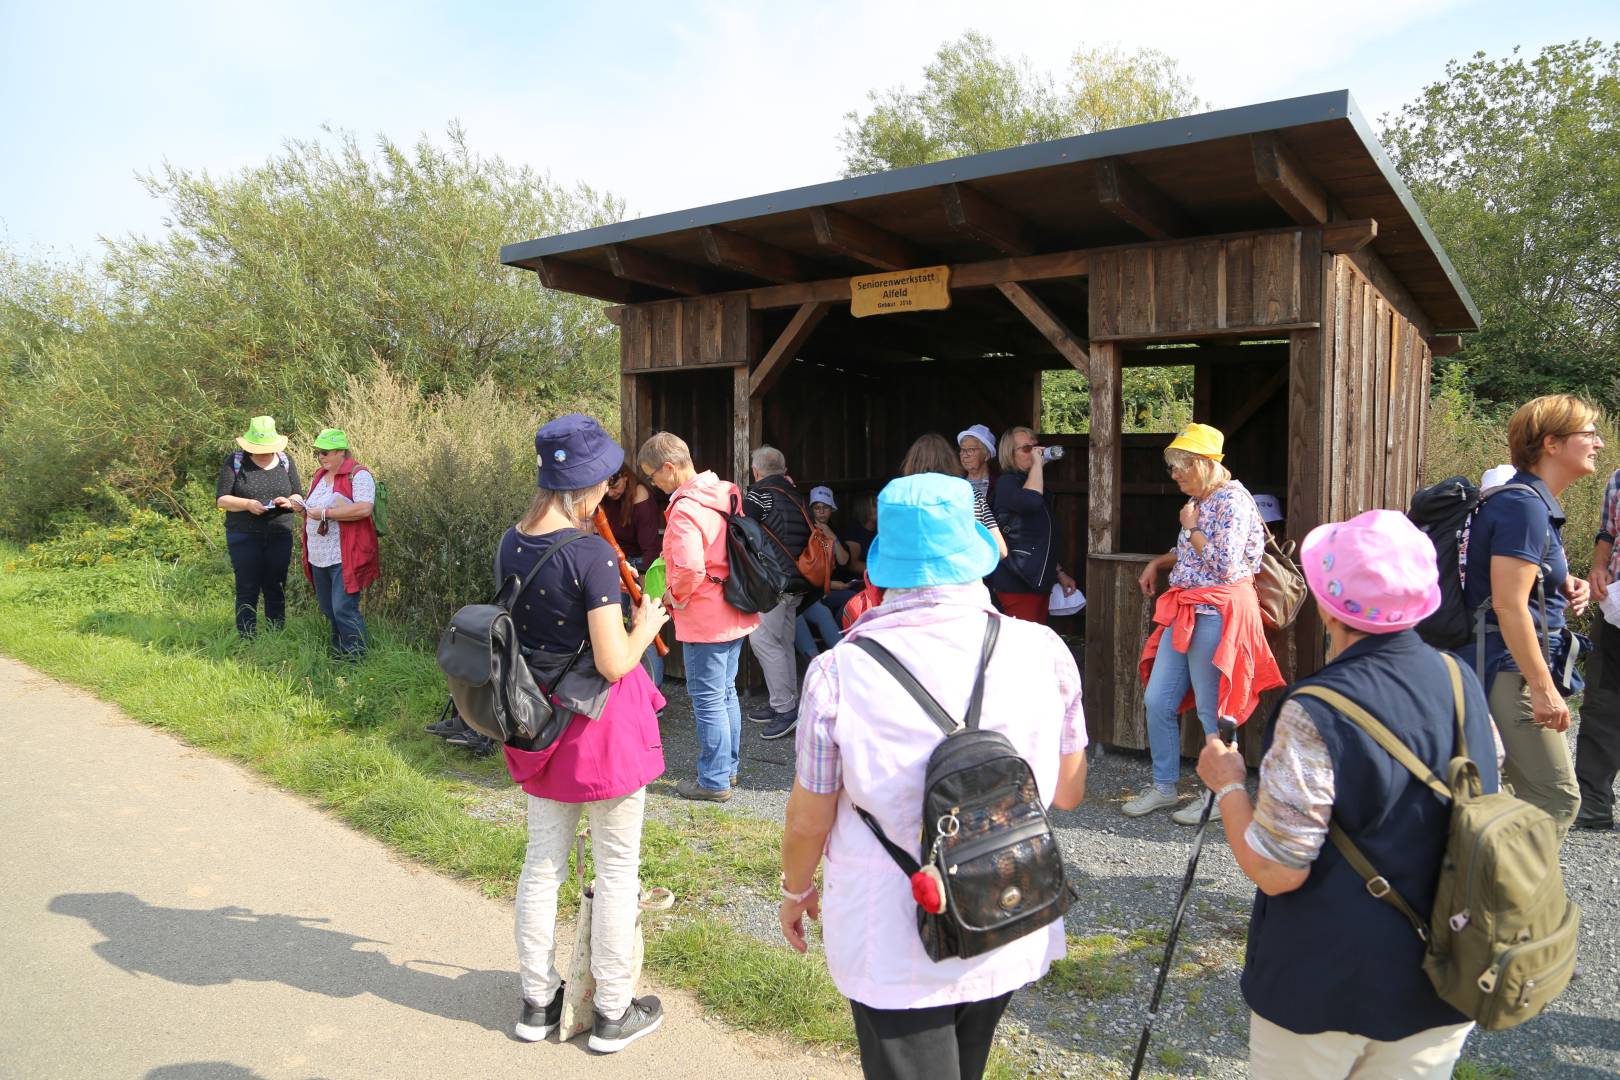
{"x": 926, "y": 289}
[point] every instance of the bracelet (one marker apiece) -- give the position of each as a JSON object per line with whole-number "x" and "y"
{"x": 1236, "y": 785}
{"x": 799, "y": 897}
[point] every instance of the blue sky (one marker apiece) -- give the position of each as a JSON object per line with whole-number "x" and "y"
{"x": 668, "y": 105}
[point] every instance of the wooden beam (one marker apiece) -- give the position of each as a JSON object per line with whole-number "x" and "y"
{"x": 1343, "y": 237}
{"x": 865, "y": 242}
{"x": 1445, "y": 344}
{"x": 786, "y": 347}
{"x": 584, "y": 280}
{"x": 979, "y": 275}
{"x": 1281, "y": 175}
{"x": 1257, "y": 401}
{"x": 1137, "y": 203}
{"x": 743, "y": 254}
{"x": 1274, "y": 330}
{"x": 972, "y": 213}
{"x": 614, "y": 313}
{"x": 743, "y": 430}
{"x": 1068, "y": 344}
{"x": 634, "y": 264}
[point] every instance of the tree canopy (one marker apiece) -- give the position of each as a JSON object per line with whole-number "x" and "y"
{"x": 973, "y": 99}
{"x": 1516, "y": 163}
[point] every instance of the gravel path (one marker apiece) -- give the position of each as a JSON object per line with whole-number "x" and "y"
{"x": 1084, "y": 1021}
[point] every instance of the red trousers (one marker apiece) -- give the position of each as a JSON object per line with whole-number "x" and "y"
{"x": 1029, "y": 606}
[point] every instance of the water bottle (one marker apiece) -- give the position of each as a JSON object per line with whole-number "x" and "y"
{"x": 1051, "y": 453}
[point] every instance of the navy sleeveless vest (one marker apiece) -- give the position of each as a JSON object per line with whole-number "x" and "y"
{"x": 1329, "y": 956}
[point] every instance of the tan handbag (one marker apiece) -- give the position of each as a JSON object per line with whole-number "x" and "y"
{"x": 1280, "y": 585}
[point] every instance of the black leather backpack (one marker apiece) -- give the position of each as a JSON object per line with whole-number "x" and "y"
{"x": 490, "y": 681}
{"x": 986, "y": 840}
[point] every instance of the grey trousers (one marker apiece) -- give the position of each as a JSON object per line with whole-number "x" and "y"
{"x": 1538, "y": 764}
{"x": 1597, "y": 742}
{"x": 772, "y": 642}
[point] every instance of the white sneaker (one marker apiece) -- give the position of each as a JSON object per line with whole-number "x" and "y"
{"x": 1150, "y": 800}
{"x": 1189, "y": 814}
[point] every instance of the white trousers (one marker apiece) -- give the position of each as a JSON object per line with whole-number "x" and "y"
{"x": 616, "y": 849}
{"x": 1275, "y": 1053}
{"x": 772, "y": 642}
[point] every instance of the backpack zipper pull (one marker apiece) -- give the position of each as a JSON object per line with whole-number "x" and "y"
{"x": 1524, "y": 993}
{"x": 1487, "y": 981}
{"x": 1459, "y": 921}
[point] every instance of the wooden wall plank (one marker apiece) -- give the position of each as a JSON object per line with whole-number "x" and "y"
{"x": 1239, "y": 261}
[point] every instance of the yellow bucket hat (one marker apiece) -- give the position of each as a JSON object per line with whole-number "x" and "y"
{"x": 261, "y": 437}
{"x": 1200, "y": 439}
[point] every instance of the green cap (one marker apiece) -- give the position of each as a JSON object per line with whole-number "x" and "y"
{"x": 261, "y": 437}
{"x": 331, "y": 439}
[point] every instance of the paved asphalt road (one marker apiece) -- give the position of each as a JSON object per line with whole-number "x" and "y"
{"x": 167, "y": 916}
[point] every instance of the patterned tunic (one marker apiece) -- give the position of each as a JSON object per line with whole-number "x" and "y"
{"x": 1236, "y": 538}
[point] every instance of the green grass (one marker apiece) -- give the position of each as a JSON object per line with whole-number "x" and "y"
{"x": 1103, "y": 965}
{"x": 1469, "y": 1070}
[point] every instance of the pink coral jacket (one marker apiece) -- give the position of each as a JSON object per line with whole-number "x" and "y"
{"x": 695, "y": 556}
{"x": 1243, "y": 658}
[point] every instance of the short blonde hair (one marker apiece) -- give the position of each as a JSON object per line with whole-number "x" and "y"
{"x": 1550, "y": 416}
{"x": 1209, "y": 473}
{"x": 663, "y": 447}
{"x": 1004, "y": 451}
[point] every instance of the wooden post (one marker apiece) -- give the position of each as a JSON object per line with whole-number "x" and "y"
{"x": 1104, "y": 472}
{"x": 743, "y": 409}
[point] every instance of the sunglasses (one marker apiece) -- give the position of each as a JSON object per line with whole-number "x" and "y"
{"x": 1023, "y": 448}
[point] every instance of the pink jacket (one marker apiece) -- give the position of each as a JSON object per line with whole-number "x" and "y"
{"x": 695, "y": 555}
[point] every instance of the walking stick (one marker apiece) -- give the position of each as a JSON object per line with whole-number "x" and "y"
{"x": 627, "y": 577}
{"x": 1228, "y": 731}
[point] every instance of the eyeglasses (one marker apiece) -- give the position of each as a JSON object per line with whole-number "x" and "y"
{"x": 1174, "y": 470}
{"x": 319, "y": 452}
{"x": 1590, "y": 433}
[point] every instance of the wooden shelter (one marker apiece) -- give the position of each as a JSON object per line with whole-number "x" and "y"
{"x": 1273, "y": 248}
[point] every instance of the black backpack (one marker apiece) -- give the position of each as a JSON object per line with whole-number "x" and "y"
{"x": 1444, "y": 512}
{"x": 987, "y": 841}
{"x": 494, "y": 691}
{"x": 758, "y": 575}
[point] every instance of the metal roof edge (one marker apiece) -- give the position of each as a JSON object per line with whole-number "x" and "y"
{"x": 1369, "y": 139}
{"x": 1200, "y": 127}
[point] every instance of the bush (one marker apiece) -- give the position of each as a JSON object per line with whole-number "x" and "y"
{"x": 460, "y": 469}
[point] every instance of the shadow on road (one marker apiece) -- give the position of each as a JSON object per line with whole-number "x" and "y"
{"x": 214, "y": 947}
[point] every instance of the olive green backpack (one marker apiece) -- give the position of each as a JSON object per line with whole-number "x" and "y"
{"x": 1500, "y": 944}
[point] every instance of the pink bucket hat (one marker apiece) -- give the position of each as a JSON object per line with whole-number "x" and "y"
{"x": 1375, "y": 572}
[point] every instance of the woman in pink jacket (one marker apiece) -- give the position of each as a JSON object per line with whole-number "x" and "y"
{"x": 710, "y": 630}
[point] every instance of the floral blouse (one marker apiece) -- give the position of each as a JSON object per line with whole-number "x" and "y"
{"x": 1237, "y": 539}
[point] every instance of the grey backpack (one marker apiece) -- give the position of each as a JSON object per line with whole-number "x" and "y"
{"x": 490, "y": 681}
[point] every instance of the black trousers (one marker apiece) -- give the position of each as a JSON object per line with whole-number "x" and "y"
{"x": 1597, "y": 740}
{"x": 260, "y": 561}
{"x": 947, "y": 1042}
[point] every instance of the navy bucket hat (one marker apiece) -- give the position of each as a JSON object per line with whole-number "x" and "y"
{"x": 927, "y": 535}
{"x": 574, "y": 452}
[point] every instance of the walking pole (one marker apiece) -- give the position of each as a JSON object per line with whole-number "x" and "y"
{"x": 1228, "y": 731}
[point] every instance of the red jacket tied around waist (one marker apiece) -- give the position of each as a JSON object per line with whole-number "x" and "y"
{"x": 1242, "y": 657}
{"x": 356, "y": 539}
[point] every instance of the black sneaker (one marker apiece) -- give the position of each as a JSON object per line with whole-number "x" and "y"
{"x": 642, "y": 1017}
{"x": 761, "y": 714}
{"x": 1597, "y": 824}
{"x": 445, "y": 728}
{"x": 536, "y": 1022}
{"x": 784, "y": 723}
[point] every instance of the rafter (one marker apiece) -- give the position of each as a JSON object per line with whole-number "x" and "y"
{"x": 572, "y": 277}
{"x": 865, "y": 242}
{"x": 1347, "y": 236}
{"x": 743, "y": 254}
{"x": 634, "y": 264}
{"x": 1281, "y": 175}
{"x": 1137, "y": 203}
{"x": 1068, "y": 344}
{"x": 970, "y": 212}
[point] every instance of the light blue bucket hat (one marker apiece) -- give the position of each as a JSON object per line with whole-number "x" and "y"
{"x": 927, "y": 535}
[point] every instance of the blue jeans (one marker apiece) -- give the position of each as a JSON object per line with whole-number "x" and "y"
{"x": 818, "y": 617}
{"x": 1167, "y": 685}
{"x": 342, "y": 610}
{"x": 711, "y": 681}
